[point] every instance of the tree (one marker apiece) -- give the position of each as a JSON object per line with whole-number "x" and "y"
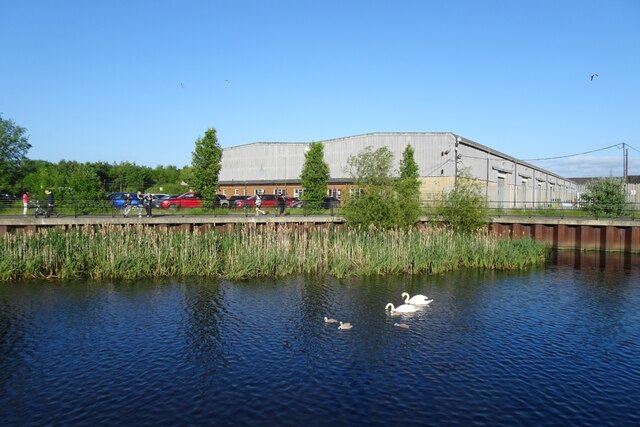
{"x": 605, "y": 197}
{"x": 407, "y": 188}
{"x": 14, "y": 145}
{"x": 463, "y": 208}
{"x": 314, "y": 177}
{"x": 206, "y": 163}
{"x": 373, "y": 203}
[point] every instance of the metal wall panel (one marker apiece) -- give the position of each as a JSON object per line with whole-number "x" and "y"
{"x": 438, "y": 155}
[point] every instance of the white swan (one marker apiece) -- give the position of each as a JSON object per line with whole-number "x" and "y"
{"x": 326, "y": 320}
{"x": 404, "y": 308}
{"x": 345, "y": 326}
{"x": 416, "y": 299}
{"x": 401, "y": 325}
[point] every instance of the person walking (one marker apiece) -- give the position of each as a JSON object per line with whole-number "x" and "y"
{"x": 139, "y": 203}
{"x": 258, "y": 204}
{"x": 126, "y": 204}
{"x": 50, "y": 202}
{"x": 148, "y": 204}
{"x": 281, "y": 205}
{"x": 25, "y": 203}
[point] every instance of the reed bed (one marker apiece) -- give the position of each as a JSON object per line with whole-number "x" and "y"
{"x": 113, "y": 252}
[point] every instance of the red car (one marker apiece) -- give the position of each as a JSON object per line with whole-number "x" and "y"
{"x": 268, "y": 201}
{"x": 186, "y": 200}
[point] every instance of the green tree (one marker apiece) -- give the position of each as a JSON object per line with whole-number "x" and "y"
{"x": 45, "y": 175}
{"x": 373, "y": 201}
{"x": 206, "y": 163}
{"x": 74, "y": 184}
{"x": 407, "y": 188}
{"x": 605, "y": 197}
{"x": 128, "y": 176}
{"x": 314, "y": 177}
{"x": 83, "y": 188}
{"x": 463, "y": 208}
{"x": 14, "y": 145}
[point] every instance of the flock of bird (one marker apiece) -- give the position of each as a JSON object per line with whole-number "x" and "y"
{"x": 410, "y": 305}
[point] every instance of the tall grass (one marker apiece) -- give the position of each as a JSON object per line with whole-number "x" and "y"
{"x": 113, "y": 252}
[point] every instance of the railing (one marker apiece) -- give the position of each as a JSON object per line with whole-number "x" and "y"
{"x": 105, "y": 207}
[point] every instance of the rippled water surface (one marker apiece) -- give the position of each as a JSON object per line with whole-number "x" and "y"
{"x": 554, "y": 346}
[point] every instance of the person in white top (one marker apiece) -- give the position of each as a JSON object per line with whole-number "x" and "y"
{"x": 258, "y": 204}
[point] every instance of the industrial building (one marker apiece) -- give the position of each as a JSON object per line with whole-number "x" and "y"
{"x": 275, "y": 167}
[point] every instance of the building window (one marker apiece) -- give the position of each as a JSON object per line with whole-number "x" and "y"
{"x": 259, "y": 191}
{"x": 235, "y": 192}
{"x": 335, "y": 192}
{"x": 279, "y": 191}
{"x": 298, "y": 193}
{"x": 354, "y": 192}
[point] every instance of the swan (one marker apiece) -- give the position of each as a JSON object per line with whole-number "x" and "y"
{"x": 416, "y": 299}
{"x": 345, "y": 326}
{"x": 327, "y": 320}
{"x": 404, "y": 308}
{"x": 401, "y": 325}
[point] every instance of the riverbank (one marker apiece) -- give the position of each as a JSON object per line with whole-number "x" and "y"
{"x": 135, "y": 251}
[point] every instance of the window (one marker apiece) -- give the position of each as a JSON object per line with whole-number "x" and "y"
{"x": 353, "y": 192}
{"x": 334, "y": 192}
{"x": 279, "y": 191}
{"x": 259, "y": 191}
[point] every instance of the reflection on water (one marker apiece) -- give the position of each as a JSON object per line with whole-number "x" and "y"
{"x": 552, "y": 346}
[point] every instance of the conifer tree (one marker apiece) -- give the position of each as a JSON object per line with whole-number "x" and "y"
{"x": 408, "y": 189}
{"x": 206, "y": 165}
{"x": 314, "y": 177}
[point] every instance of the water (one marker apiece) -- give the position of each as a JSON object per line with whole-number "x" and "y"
{"x": 552, "y": 346}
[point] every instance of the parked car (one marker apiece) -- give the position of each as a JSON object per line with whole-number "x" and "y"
{"x": 328, "y": 203}
{"x": 233, "y": 199}
{"x": 268, "y": 201}
{"x": 220, "y": 201}
{"x": 158, "y": 198}
{"x": 117, "y": 199}
{"x": 192, "y": 200}
{"x": 187, "y": 200}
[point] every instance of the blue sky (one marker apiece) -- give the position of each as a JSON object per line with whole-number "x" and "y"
{"x": 140, "y": 81}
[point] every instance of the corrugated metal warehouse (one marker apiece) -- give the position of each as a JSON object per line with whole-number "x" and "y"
{"x": 275, "y": 167}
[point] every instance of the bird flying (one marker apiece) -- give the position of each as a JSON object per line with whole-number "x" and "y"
{"x": 593, "y": 76}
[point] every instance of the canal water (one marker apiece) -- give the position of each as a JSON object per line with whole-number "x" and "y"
{"x": 556, "y": 345}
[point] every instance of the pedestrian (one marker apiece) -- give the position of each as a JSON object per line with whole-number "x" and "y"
{"x": 126, "y": 205}
{"x": 25, "y": 203}
{"x": 139, "y": 203}
{"x": 258, "y": 204}
{"x": 281, "y": 205}
{"x": 148, "y": 204}
{"x": 50, "y": 202}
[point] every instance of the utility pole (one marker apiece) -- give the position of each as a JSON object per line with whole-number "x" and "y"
{"x": 625, "y": 161}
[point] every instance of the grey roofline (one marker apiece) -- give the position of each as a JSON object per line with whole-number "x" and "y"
{"x": 506, "y": 156}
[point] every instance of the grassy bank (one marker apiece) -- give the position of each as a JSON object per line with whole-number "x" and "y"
{"x": 113, "y": 252}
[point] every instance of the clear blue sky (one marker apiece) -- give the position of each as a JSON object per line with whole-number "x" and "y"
{"x": 139, "y": 81}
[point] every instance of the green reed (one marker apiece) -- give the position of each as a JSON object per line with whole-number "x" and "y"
{"x": 114, "y": 252}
